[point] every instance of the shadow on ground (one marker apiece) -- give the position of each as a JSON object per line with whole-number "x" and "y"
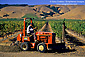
{"x": 61, "y": 51}
{"x": 75, "y": 41}
{"x": 57, "y": 51}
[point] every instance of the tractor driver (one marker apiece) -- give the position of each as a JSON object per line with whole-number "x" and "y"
{"x": 30, "y": 30}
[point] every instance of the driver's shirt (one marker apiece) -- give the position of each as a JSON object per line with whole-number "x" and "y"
{"x": 30, "y": 29}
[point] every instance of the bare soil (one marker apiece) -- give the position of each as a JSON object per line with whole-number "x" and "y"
{"x": 10, "y": 49}
{"x": 16, "y": 52}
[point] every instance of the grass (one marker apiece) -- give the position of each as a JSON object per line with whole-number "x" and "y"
{"x": 11, "y": 19}
{"x": 30, "y": 15}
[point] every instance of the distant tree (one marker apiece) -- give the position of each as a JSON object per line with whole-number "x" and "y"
{"x": 48, "y": 6}
{"x": 6, "y": 4}
{"x": 23, "y": 4}
{"x": 31, "y": 6}
{"x": 5, "y": 15}
{"x": 51, "y": 13}
{"x": 34, "y": 9}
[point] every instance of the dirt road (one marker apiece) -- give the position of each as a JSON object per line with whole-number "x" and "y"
{"x": 78, "y": 52}
{"x": 35, "y": 54}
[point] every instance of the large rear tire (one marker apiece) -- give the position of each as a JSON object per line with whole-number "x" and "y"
{"x": 24, "y": 46}
{"x": 41, "y": 47}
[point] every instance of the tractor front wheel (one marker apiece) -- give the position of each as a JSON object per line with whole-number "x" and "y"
{"x": 41, "y": 47}
{"x": 24, "y": 46}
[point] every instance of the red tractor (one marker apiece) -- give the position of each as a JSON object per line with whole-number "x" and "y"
{"x": 45, "y": 40}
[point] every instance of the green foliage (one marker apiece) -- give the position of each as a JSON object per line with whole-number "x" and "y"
{"x": 75, "y": 25}
{"x": 31, "y": 5}
{"x": 5, "y": 15}
{"x": 39, "y": 24}
{"x": 56, "y": 27}
{"x": 55, "y": 9}
{"x": 46, "y": 14}
{"x": 3, "y": 5}
{"x": 15, "y": 25}
{"x": 11, "y": 19}
{"x": 12, "y": 26}
{"x": 30, "y": 16}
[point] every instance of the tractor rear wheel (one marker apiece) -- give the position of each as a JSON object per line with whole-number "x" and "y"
{"x": 41, "y": 47}
{"x": 24, "y": 46}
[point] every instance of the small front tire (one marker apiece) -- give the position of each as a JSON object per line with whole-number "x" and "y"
{"x": 41, "y": 47}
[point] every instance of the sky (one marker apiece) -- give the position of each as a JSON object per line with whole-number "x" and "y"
{"x": 41, "y": 2}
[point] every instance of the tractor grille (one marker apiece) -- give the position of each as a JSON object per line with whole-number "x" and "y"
{"x": 44, "y": 39}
